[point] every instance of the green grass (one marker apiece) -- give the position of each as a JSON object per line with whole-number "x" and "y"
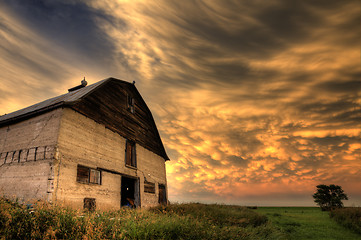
{"x": 307, "y": 223}
{"x": 180, "y": 221}
{"x": 176, "y": 221}
{"x": 349, "y": 217}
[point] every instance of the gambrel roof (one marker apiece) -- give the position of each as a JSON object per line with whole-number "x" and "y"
{"x": 106, "y": 103}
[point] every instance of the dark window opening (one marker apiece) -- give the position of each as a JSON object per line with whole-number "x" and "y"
{"x": 6, "y": 155}
{"x": 162, "y": 195}
{"x": 130, "y": 103}
{"x": 12, "y": 156}
{"x": 20, "y": 151}
{"x": 89, "y": 204}
{"x": 149, "y": 187}
{"x": 88, "y": 175}
{"x": 36, "y": 151}
{"x": 130, "y": 154}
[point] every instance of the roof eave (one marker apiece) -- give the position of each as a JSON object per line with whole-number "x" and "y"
{"x": 29, "y": 115}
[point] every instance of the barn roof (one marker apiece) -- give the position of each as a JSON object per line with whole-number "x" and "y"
{"x": 50, "y": 104}
{"x": 77, "y": 100}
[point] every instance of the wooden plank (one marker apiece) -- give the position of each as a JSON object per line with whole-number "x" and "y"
{"x": 108, "y": 105}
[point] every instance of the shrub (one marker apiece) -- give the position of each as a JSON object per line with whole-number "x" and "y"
{"x": 348, "y": 217}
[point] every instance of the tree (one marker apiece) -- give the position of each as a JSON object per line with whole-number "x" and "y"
{"x": 329, "y": 197}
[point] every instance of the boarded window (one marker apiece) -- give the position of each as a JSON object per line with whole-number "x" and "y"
{"x": 89, "y": 204}
{"x": 130, "y": 103}
{"x": 8, "y": 157}
{"x": 94, "y": 176}
{"x": 162, "y": 194}
{"x": 3, "y": 157}
{"x": 24, "y": 155}
{"x": 130, "y": 154}
{"x": 19, "y": 155}
{"x": 16, "y": 156}
{"x": 149, "y": 187}
{"x": 31, "y": 154}
{"x": 88, "y": 175}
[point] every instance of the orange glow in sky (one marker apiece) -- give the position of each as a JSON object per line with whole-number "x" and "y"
{"x": 256, "y": 102}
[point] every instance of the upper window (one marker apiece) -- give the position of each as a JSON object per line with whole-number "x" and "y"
{"x": 130, "y": 103}
{"x": 130, "y": 155}
{"x": 88, "y": 175}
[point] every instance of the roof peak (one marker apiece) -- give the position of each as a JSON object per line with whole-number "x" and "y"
{"x": 83, "y": 83}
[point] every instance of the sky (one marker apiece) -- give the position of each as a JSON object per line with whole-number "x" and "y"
{"x": 256, "y": 102}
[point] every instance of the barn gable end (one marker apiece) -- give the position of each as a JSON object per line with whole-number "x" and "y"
{"x": 94, "y": 147}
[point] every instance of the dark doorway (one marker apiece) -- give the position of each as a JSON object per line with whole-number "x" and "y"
{"x": 129, "y": 192}
{"x": 162, "y": 194}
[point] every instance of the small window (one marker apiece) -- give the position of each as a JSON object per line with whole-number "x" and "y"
{"x": 162, "y": 198}
{"x": 94, "y": 176}
{"x": 89, "y": 204}
{"x": 130, "y": 103}
{"x": 149, "y": 187}
{"x": 88, "y": 175}
{"x": 130, "y": 154}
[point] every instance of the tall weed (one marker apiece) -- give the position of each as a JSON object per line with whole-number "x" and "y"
{"x": 180, "y": 221}
{"x": 348, "y": 217}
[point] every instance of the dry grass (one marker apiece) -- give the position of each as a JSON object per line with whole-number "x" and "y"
{"x": 180, "y": 221}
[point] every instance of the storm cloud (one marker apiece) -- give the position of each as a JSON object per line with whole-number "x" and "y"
{"x": 256, "y": 102}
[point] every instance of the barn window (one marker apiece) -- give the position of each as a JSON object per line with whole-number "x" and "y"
{"x": 149, "y": 187}
{"x": 130, "y": 103}
{"x": 88, "y": 175}
{"x": 162, "y": 198}
{"x": 20, "y": 151}
{"x": 89, "y": 204}
{"x": 130, "y": 154}
{"x": 94, "y": 176}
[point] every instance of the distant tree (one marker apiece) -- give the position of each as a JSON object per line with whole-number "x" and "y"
{"x": 329, "y": 197}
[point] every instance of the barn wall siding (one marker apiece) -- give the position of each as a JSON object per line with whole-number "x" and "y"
{"x": 38, "y": 131}
{"x": 152, "y": 169}
{"x": 86, "y": 142}
{"x": 27, "y": 181}
{"x": 26, "y": 157}
{"x": 108, "y": 106}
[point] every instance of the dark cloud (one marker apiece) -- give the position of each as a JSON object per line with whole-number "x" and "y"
{"x": 71, "y": 24}
{"x": 254, "y": 100}
{"x": 351, "y": 86}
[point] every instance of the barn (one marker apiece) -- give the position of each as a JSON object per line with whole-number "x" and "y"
{"x": 95, "y": 147}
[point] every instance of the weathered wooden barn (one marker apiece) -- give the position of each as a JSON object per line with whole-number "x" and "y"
{"x": 94, "y": 147}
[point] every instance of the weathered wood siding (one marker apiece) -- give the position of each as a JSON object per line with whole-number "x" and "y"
{"x": 86, "y": 142}
{"x": 26, "y": 157}
{"x": 108, "y": 105}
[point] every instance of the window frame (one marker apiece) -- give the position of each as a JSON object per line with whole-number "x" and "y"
{"x": 130, "y": 103}
{"x": 97, "y": 174}
{"x": 130, "y": 158}
{"x": 149, "y": 187}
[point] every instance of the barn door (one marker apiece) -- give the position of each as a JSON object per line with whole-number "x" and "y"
{"x": 129, "y": 192}
{"x": 162, "y": 199}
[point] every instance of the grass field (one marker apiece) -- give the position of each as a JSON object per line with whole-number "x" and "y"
{"x": 307, "y": 223}
{"x": 179, "y": 221}
{"x": 175, "y": 221}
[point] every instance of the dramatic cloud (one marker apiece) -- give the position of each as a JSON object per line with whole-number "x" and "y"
{"x": 257, "y": 102}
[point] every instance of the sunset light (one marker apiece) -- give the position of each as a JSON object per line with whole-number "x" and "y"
{"x": 256, "y": 102}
